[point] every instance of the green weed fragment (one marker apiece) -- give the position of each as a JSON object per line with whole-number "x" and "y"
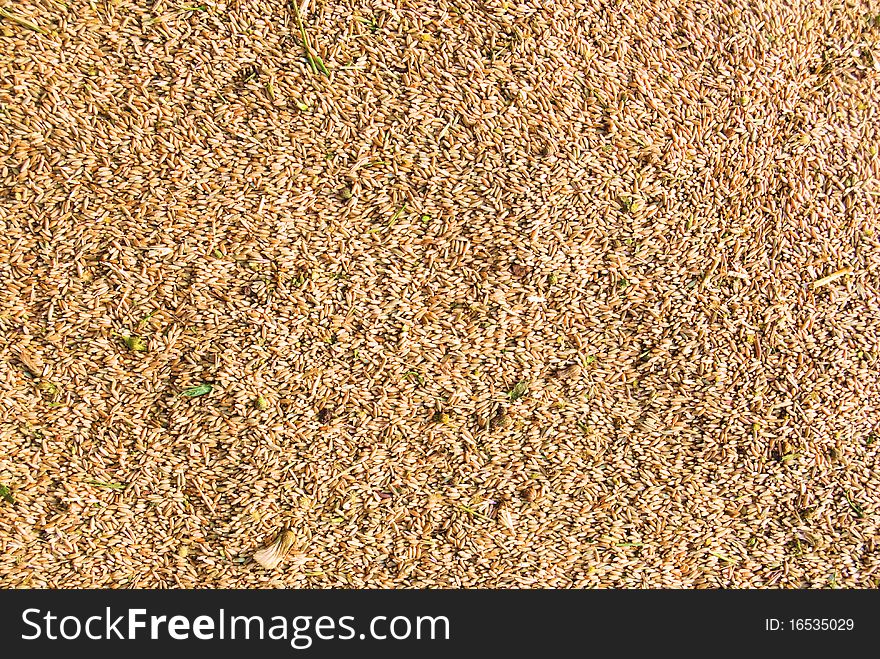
{"x": 4, "y": 13}
{"x": 856, "y": 508}
{"x": 200, "y": 390}
{"x": 6, "y": 494}
{"x": 518, "y": 391}
{"x": 112, "y": 486}
{"x": 135, "y": 343}
{"x": 314, "y": 60}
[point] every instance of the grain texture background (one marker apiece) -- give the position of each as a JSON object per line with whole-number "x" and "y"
{"x": 520, "y": 294}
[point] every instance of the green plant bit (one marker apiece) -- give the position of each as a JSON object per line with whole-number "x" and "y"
{"x": 475, "y": 513}
{"x": 112, "y": 486}
{"x": 371, "y": 22}
{"x": 49, "y": 387}
{"x": 590, "y": 92}
{"x": 6, "y": 494}
{"x": 396, "y": 216}
{"x": 261, "y": 403}
{"x": 718, "y": 554}
{"x": 391, "y": 222}
{"x": 352, "y": 67}
{"x": 414, "y": 375}
{"x": 313, "y": 58}
{"x": 199, "y": 390}
{"x": 856, "y": 508}
{"x": 518, "y": 391}
{"x": 143, "y": 321}
{"x": 4, "y": 13}
{"x": 135, "y": 343}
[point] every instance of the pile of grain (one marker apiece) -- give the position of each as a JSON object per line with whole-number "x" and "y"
{"x": 519, "y": 294}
